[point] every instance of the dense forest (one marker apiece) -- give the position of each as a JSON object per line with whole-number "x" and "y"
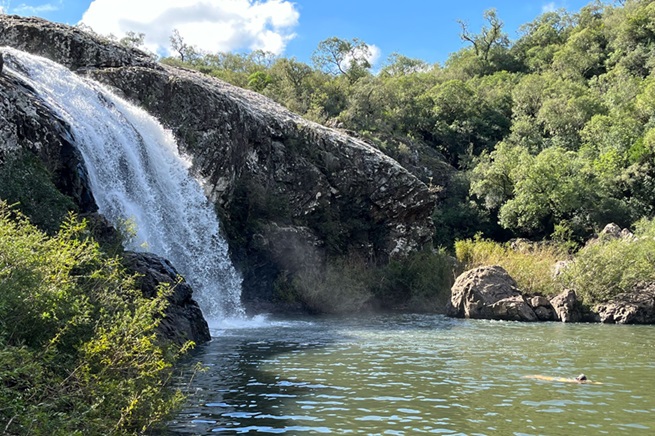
{"x": 549, "y": 136}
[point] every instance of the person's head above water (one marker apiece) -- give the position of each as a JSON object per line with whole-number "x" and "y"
{"x": 581, "y": 377}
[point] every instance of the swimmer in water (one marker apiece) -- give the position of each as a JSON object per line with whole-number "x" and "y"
{"x": 581, "y": 378}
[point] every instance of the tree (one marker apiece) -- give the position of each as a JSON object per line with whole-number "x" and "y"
{"x": 187, "y": 52}
{"x": 493, "y": 177}
{"x": 133, "y": 39}
{"x": 346, "y": 57}
{"x": 399, "y": 65}
{"x": 559, "y": 189}
{"x": 490, "y": 36}
{"x": 541, "y": 39}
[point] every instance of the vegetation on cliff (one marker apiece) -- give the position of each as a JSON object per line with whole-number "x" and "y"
{"x": 551, "y": 134}
{"x": 79, "y": 353}
{"x": 549, "y": 137}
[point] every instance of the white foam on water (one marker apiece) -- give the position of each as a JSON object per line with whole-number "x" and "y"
{"x": 224, "y": 326}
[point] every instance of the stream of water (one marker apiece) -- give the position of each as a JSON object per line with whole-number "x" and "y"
{"x": 140, "y": 180}
{"x": 420, "y": 374}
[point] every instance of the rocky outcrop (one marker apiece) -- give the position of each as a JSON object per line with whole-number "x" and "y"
{"x": 543, "y": 308}
{"x": 27, "y": 125}
{"x": 489, "y": 292}
{"x": 567, "y": 307}
{"x": 634, "y": 307}
{"x": 66, "y": 45}
{"x": 297, "y": 172}
{"x": 183, "y": 320}
{"x": 264, "y": 167}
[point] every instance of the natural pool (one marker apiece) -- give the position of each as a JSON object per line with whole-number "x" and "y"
{"x": 416, "y": 374}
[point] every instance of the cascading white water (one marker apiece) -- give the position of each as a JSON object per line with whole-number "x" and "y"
{"x": 137, "y": 174}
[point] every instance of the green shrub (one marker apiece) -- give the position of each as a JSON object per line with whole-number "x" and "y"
{"x": 79, "y": 349}
{"x": 530, "y": 264}
{"x": 605, "y": 268}
{"x": 25, "y": 180}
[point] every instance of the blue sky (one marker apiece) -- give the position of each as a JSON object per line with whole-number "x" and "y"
{"x": 423, "y": 29}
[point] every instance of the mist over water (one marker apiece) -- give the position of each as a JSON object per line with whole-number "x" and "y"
{"x": 140, "y": 180}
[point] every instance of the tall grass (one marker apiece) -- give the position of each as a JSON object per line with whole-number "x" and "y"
{"x": 530, "y": 264}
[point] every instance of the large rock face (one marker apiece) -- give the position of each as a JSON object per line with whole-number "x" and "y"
{"x": 264, "y": 167}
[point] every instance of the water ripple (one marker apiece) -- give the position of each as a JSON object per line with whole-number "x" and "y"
{"x": 418, "y": 374}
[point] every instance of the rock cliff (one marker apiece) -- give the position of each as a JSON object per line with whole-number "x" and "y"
{"x": 264, "y": 167}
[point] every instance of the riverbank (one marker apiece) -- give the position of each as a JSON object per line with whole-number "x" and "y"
{"x": 610, "y": 280}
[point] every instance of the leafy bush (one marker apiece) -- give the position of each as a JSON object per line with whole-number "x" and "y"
{"x": 607, "y": 267}
{"x": 530, "y": 264}
{"x": 79, "y": 353}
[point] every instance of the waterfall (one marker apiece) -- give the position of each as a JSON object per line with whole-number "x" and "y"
{"x": 138, "y": 177}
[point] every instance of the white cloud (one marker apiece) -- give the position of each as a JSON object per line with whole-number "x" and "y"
{"x": 549, "y": 7}
{"x": 374, "y": 54}
{"x": 210, "y": 25}
{"x": 27, "y": 10}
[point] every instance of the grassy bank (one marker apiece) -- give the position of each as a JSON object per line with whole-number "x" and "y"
{"x": 600, "y": 270}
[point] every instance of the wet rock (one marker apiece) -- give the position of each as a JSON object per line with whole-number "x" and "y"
{"x": 635, "y": 307}
{"x": 488, "y": 292}
{"x": 512, "y": 309}
{"x": 567, "y": 307}
{"x": 27, "y": 125}
{"x": 183, "y": 318}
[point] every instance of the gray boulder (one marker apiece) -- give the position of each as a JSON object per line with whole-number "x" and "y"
{"x": 542, "y": 308}
{"x": 635, "y": 307}
{"x": 488, "y": 292}
{"x": 567, "y": 307}
{"x": 512, "y": 309}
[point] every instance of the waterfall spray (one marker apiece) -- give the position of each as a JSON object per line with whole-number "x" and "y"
{"x": 138, "y": 176}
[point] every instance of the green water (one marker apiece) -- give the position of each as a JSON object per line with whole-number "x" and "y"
{"x": 421, "y": 374}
